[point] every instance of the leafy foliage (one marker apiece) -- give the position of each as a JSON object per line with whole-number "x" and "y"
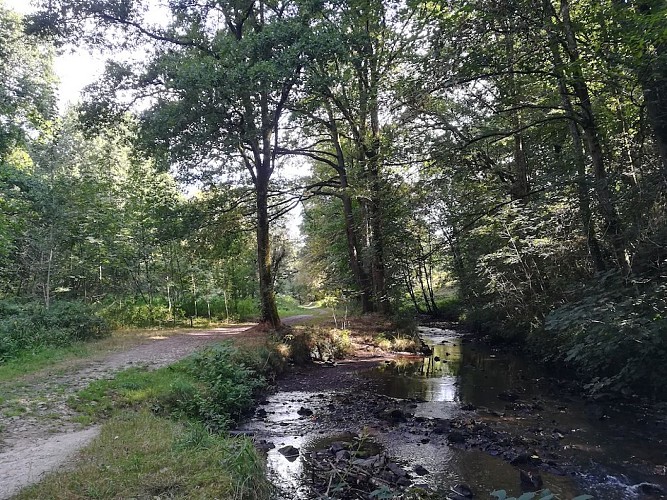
{"x": 30, "y": 326}
{"x": 214, "y": 387}
{"x": 227, "y": 387}
{"x": 614, "y": 335}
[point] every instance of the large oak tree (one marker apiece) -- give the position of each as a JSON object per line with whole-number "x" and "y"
{"x": 215, "y": 82}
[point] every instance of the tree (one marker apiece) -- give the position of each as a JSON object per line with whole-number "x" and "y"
{"x": 27, "y": 83}
{"x": 27, "y": 104}
{"x": 345, "y": 107}
{"x": 221, "y": 74}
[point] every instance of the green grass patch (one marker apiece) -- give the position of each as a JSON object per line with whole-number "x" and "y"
{"x": 31, "y": 361}
{"x": 215, "y": 386}
{"x": 142, "y": 455}
{"x": 289, "y": 306}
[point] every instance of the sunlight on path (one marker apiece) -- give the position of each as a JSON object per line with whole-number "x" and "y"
{"x": 26, "y": 465}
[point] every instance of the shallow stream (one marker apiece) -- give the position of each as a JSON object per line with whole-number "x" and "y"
{"x": 505, "y": 415}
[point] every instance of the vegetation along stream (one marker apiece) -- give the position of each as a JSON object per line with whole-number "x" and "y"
{"x": 462, "y": 420}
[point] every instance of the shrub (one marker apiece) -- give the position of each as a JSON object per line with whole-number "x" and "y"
{"x": 129, "y": 312}
{"x": 227, "y": 385}
{"x": 30, "y": 326}
{"x": 245, "y": 309}
{"x": 313, "y": 342}
{"x": 215, "y": 387}
{"x": 450, "y": 308}
{"x": 613, "y": 335}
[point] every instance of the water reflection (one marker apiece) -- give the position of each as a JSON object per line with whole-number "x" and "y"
{"x": 431, "y": 378}
{"x": 455, "y": 374}
{"x": 460, "y": 374}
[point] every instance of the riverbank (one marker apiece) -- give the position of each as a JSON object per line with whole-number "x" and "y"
{"x": 465, "y": 418}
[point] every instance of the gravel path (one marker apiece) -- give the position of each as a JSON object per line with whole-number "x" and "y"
{"x": 40, "y": 433}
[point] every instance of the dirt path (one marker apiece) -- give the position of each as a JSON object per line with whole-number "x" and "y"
{"x": 39, "y": 432}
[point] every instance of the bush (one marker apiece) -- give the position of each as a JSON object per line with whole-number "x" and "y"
{"x": 215, "y": 387}
{"x": 245, "y": 309}
{"x": 30, "y": 326}
{"x": 227, "y": 388}
{"x": 132, "y": 312}
{"x": 613, "y": 335}
{"x": 306, "y": 343}
{"x": 450, "y": 308}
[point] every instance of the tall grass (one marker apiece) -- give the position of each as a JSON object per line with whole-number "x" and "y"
{"x": 142, "y": 455}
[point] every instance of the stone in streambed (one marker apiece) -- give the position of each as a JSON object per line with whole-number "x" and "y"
{"x": 442, "y": 426}
{"x": 289, "y": 452}
{"x": 393, "y": 415}
{"x": 397, "y": 470}
{"x": 265, "y": 445}
{"x": 421, "y": 470}
{"x": 457, "y": 437}
{"x": 337, "y": 446}
{"x": 367, "y": 462}
{"x": 462, "y": 492}
{"x": 305, "y": 412}
{"x": 530, "y": 481}
{"x": 650, "y": 489}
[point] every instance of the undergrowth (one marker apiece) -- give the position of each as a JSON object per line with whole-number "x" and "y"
{"x": 31, "y": 327}
{"x": 163, "y": 435}
{"x": 215, "y": 387}
{"x": 315, "y": 342}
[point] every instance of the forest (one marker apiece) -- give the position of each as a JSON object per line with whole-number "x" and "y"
{"x": 498, "y": 165}
{"x": 319, "y": 249}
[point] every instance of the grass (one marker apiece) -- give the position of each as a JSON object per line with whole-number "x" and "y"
{"x": 157, "y": 439}
{"x": 131, "y": 388}
{"x": 29, "y": 362}
{"x": 141, "y": 455}
{"x": 319, "y": 339}
{"x": 215, "y": 386}
{"x": 289, "y": 306}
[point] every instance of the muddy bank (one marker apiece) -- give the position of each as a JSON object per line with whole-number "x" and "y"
{"x": 461, "y": 420}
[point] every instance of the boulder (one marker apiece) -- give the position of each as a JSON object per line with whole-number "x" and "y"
{"x": 305, "y": 412}
{"x": 421, "y": 470}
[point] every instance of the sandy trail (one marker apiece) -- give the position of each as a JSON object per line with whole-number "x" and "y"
{"x": 39, "y": 432}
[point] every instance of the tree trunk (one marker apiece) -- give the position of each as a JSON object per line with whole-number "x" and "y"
{"x": 592, "y": 138}
{"x": 268, "y": 308}
{"x": 654, "y": 86}
{"x": 579, "y": 159}
{"x": 354, "y": 255}
{"x": 372, "y": 156}
{"x": 353, "y": 247}
{"x": 520, "y": 186}
{"x": 377, "y": 241}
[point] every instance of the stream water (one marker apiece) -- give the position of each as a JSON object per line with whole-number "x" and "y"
{"x": 507, "y": 417}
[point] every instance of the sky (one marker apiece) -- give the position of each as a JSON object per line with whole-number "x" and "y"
{"x": 75, "y": 69}
{"x": 78, "y": 68}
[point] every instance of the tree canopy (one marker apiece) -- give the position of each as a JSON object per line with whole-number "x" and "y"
{"x": 510, "y": 153}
